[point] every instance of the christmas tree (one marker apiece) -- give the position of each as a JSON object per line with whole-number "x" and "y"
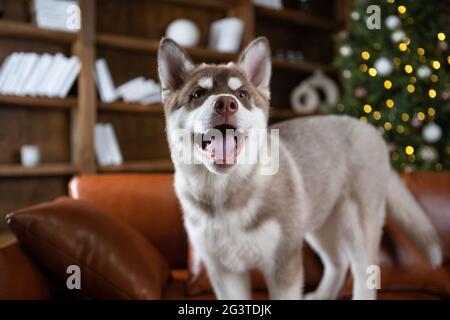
{"x": 396, "y": 76}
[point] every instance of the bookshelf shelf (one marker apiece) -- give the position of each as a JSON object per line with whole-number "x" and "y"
{"x": 139, "y": 166}
{"x": 38, "y": 102}
{"x": 121, "y": 106}
{"x": 298, "y": 18}
{"x": 201, "y": 54}
{"x": 50, "y": 169}
{"x": 13, "y": 29}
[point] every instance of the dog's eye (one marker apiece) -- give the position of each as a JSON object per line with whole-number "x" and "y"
{"x": 198, "y": 93}
{"x": 242, "y": 94}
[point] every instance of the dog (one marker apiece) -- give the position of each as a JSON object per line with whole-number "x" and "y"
{"x": 332, "y": 186}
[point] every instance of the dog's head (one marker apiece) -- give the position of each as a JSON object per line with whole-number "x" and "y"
{"x": 216, "y": 105}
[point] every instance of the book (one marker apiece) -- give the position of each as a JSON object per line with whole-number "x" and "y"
{"x": 13, "y": 74}
{"x": 55, "y": 75}
{"x": 60, "y": 74}
{"x": 74, "y": 70}
{"x": 107, "y": 150}
{"x": 112, "y": 145}
{"x": 48, "y": 75}
{"x": 6, "y": 69}
{"x": 57, "y": 14}
{"x": 104, "y": 81}
{"x": 137, "y": 89}
{"x": 38, "y": 74}
{"x": 29, "y": 64}
{"x": 101, "y": 150}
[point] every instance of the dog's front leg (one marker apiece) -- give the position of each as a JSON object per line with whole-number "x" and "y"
{"x": 229, "y": 285}
{"x": 285, "y": 280}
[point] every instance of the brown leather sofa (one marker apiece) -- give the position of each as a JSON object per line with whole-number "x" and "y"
{"x": 148, "y": 204}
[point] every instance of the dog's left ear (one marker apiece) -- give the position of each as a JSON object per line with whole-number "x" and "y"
{"x": 256, "y": 62}
{"x": 174, "y": 65}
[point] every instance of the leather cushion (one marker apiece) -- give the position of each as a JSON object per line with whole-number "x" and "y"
{"x": 146, "y": 202}
{"x": 115, "y": 261}
{"x": 20, "y": 277}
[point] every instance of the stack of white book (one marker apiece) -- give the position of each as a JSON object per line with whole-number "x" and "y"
{"x": 107, "y": 148}
{"x": 138, "y": 90}
{"x": 57, "y": 14}
{"x": 46, "y": 75}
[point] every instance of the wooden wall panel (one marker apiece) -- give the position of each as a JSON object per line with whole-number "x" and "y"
{"x": 17, "y": 193}
{"x": 141, "y": 136}
{"x": 151, "y": 18}
{"x": 47, "y": 128}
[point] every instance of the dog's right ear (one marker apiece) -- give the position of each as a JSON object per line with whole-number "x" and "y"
{"x": 174, "y": 65}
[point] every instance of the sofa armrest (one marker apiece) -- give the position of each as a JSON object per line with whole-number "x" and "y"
{"x": 20, "y": 277}
{"x": 108, "y": 259}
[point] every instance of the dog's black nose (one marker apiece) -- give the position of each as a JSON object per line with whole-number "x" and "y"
{"x": 226, "y": 105}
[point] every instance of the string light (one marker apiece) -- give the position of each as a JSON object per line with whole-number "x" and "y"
{"x": 421, "y": 116}
{"x": 441, "y": 36}
{"x": 438, "y": 167}
{"x": 413, "y": 80}
{"x": 395, "y": 156}
{"x": 377, "y": 115}
{"x": 431, "y": 111}
{"x": 400, "y": 129}
{"x": 432, "y": 93}
{"x": 402, "y": 46}
{"x": 405, "y": 117}
{"x": 388, "y": 84}
{"x": 389, "y": 103}
{"x": 363, "y": 119}
{"x": 410, "y": 88}
{"x": 448, "y": 59}
{"x": 408, "y": 68}
{"x": 401, "y": 9}
{"x": 436, "y": 64}
{"x": 434, "y": 78}
{"x": 372, "y": 72}
{"x": 367, "y": 108}
{"x": 365, "y": 55}
{"x": 421, "y": 51}
{"x": 363, "y": 67}
{"x": 390, "y": 1}
{"x": 409, "y": 150}
{"x": 387, "y": 126}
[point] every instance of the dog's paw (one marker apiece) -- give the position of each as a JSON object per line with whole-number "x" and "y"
{"x": 316, "y": 295}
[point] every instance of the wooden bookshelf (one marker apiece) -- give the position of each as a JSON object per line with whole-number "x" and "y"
{"x": 13, "y": 29}
{"x": 130, "y": 47}
{"x": 121, "y": 106}
{"x": 38, "y": 102}
{"x": 299, "y": 18}
{"x": 51, "y": 169}
{"x": 163, "y": 165}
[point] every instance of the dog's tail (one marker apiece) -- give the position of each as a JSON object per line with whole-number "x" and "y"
{"x": 409, "y": 216}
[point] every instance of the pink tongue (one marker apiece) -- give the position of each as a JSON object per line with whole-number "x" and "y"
{"x": 223, "y": 149}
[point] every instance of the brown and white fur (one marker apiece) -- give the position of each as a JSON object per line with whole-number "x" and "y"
{"x": 332, "y": 188}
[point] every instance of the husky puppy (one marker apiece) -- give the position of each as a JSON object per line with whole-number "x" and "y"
{"x": 333, "y": 185}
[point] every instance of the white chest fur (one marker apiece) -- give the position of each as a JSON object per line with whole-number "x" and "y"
{"x": 225, "y": 240}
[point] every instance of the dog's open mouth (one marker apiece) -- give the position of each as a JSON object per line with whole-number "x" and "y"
{"x": 221, "y": 145}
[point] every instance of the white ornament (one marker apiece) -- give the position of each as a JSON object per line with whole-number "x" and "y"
{"x": 432, "y": 133}
{"x": 392, "y": 22}
{"x": 184, "y": 32}
{"x": 305, "y": 98}
{"x": 423, "y": 72}
{"x": 428, "y": 153}
{"x": 383, "y": 66}
{"x": 398, "y": 36}
{"x": 347, "y": 74}
{"x": 355, "y": 15}
{"x": 345, "y": 51}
